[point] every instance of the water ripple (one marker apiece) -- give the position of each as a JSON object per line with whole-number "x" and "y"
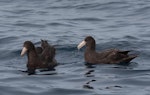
{"x": 33, "y": 25}
{"x": 122, "y": 24}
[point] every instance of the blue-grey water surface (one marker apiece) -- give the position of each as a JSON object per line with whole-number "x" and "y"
{"x": 123, "y": 24}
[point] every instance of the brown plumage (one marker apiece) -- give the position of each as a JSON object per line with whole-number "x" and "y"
{"x": 111, "y": 56}
{"x": 39, "y": 50}
{"x": 38, "y": 57}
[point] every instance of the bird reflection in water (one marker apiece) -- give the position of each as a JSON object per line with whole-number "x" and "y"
{"x": 89, "y": 73}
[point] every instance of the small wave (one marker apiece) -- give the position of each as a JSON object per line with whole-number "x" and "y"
{"x": 6, "y": 1}
{"x": 59, "y": 24}
{"x": 88, "y": 6}
{"x": 143, "y": 10}
{"x": 7, "y": 39}
{"x": 25, "y": 24}
{"x": 21, "y": 11}
{"x": 85, "y": 19}
{"x": 103, "y": 6}
{"x": 9, "y": 54}
{"x": 61, "y": 7}
{"x": 69, "y": 91}
{"x": 130, "y": 37}
{"x": 66, "y": 48}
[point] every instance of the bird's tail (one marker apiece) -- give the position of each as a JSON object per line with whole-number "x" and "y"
{"x": 129, "y": 58}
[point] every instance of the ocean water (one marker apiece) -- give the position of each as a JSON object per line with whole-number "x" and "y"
{"x": 122, "y": 24}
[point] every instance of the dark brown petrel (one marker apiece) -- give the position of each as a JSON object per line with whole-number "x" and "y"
{"x": 39, "y": 58}
{"x": 111, "y": 56}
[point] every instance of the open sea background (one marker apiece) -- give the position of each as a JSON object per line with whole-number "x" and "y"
{"x": 123, "y": 24}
